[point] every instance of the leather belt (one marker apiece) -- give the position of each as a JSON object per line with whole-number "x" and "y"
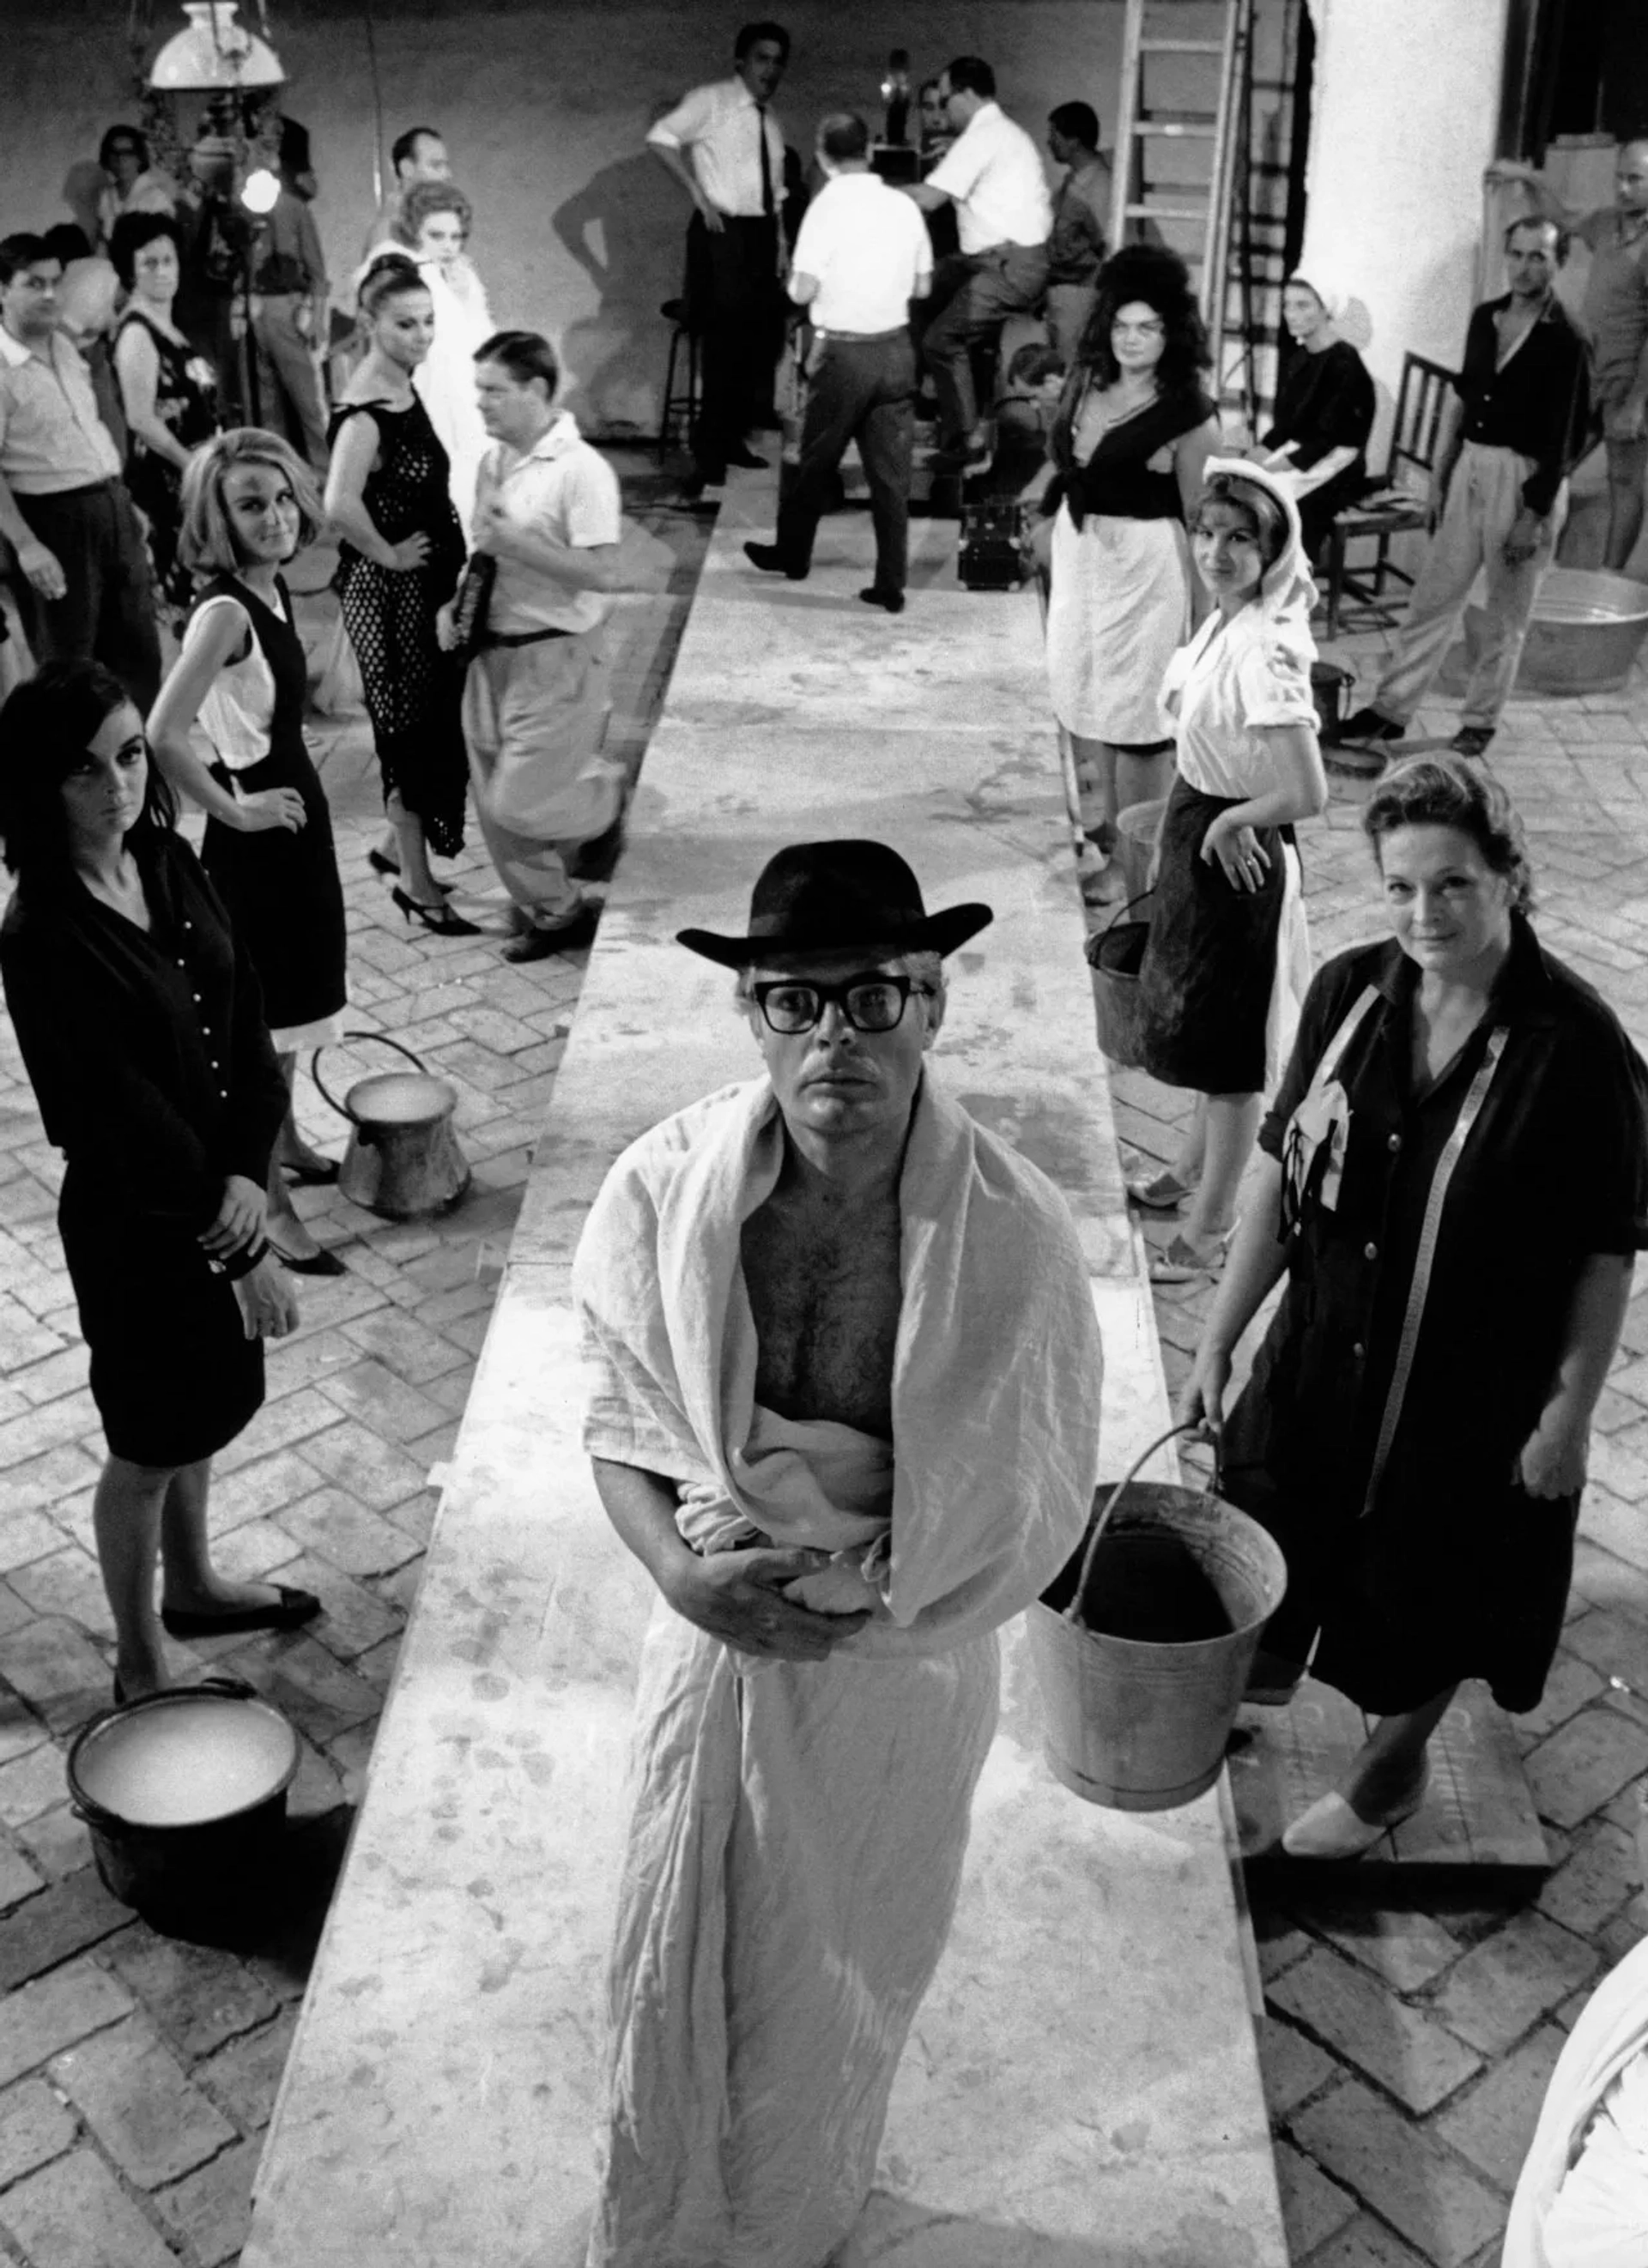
{"x": 862, "y": 338}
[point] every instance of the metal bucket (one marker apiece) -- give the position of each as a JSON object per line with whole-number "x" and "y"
{"x": 1139, "y": 1713}
{"x": 1138, "y": 831}
{"x": 403, "y": 1160}
{"x": 184, "y": 1794}
{"x": 1114, "y": 955}
{"x": 1587, "y": 629}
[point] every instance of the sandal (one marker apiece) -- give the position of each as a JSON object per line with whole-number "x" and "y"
{"x": 1184, "y": 1261}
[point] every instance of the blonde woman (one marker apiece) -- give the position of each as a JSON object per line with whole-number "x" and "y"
{"x": 249, "y": 508}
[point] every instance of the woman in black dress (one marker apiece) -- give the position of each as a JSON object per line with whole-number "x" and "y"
{"x": 138, "y": 1016}
{"x": 399, "y": 561}
{"x": 168, "y": 391}
{"x": 1324, "y": 410}
{"x": 1455, "y": 1184}
{"x": 248, "y": 506}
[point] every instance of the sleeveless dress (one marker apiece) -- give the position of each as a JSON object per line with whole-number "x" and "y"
{"x": 186, "y": 403}
{"x": 281, "y": 887}
{"x": 414, "y": 691}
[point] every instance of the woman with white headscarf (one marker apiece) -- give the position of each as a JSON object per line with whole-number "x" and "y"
{"x": 1324, "y": 409}
{"x": 1228, "y": 962}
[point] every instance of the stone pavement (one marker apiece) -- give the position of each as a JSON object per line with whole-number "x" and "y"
{"x": 137, "y": 2075}
{"x": 1405, "y": 2048}
{"x": 1408, "y": 2039}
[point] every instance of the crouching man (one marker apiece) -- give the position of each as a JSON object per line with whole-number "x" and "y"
{"x": 537, "y": 698}
{"x": 844, "y": 1380}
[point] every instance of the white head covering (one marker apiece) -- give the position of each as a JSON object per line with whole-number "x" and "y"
{"x": 1333, "y": 295}
{"x": 1287, "y": 589}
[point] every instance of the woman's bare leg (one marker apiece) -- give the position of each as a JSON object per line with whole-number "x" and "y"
{"x": 1231, "y": 1126}
{"x": 1096, "y": 769}
{"x": 1143, "y": 779}
{"x": 1390, "y": 1766}
{"x": 191, "y": 1582}
{"x": 416, "y": 878}
{"x": 126, "y": 1514}
{"x": 285, "y": 1227}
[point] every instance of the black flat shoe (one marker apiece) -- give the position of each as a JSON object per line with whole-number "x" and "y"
{"x": 317, "y": 1263}
{"x": 311, "y": 1177}
{"x": 440, "y": 920}
{"x": 284, "y": 1612}
{"x": 771, "y": 561}
{"x": 746, "y": 461}
{"x": 892, "y": 601}
{"x": 539, "y": 943}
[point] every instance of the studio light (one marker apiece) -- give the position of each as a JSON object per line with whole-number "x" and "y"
{"x": 261, "y": 190}
{"x": 213, "y": 54}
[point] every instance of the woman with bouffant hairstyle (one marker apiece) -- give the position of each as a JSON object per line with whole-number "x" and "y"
{"x": 249, "y": 508}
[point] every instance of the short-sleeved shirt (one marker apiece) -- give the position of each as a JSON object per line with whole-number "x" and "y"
{"x": 717, "y": 125}
{"x": 993, "y": 173}
{"x": 1615, "y": 311}
{"x": 51, "y": 436}
{"x": 1220, "y": 689}
{"x": 566, "y": 491}
{"x": 869, "y": 248}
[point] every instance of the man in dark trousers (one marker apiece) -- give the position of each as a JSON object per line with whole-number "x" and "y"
{"x": 724, "y": 146}
{"x": 1517, "y": 423}
{"x": 82, "y": 566}
{"x": 862, "y": 255}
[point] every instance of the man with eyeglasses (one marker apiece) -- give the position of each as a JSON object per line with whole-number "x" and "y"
{"x": 843, "y": 1378}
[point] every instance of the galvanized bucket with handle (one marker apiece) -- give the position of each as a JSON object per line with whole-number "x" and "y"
{"x": 403, "y": 1160}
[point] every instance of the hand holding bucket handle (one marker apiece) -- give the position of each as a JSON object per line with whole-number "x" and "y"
{"x": 1073, "y": 1612}
{"x": 325, "y": 1092}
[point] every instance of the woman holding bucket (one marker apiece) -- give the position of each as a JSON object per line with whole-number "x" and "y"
{"x": 1227, "y": 960}
{"x": 138, "y": 1016}
{"x": 1454, "y": 1183}
{"x": 249, "y": 508}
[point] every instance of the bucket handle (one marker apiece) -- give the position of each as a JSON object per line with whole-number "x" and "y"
{"x": 1072, "y": 1613}
{"x": 327, "y": 1095}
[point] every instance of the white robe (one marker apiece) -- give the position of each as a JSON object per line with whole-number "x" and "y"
{"x": 799, "y": 1829}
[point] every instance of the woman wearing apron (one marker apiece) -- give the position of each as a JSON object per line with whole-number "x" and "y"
{"x": 1454, "y": 1183}
{"x": 249, "y": 507}
{"x": 1227, "y": 963}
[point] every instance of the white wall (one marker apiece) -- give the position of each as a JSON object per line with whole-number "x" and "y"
{"x": 1406, "y": 104}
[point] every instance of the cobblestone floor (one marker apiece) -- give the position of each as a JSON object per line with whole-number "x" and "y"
{"x": 1405, "y": 2050}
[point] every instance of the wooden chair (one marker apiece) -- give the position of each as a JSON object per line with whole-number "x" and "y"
{"x": 1398, "y": 503}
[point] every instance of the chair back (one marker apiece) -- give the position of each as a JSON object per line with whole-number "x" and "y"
{"x": 1420, "y": 400}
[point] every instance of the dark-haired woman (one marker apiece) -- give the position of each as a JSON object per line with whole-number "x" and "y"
{"x": 168, "y": 390}
{"x": 1454, "y": 1185}
{"x": 433, "y": 228}
{"x": 1227, "y": 961}
{"x": 141, "y": 1025}
{"x": 249, "y": 508}
{"x": 399, "y": 559}
{"x": 1132, "y": 434}
{"x": 1324, "y": 409}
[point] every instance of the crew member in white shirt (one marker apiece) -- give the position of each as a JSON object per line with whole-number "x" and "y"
{"x": 861, "y": 256}
{"x": 724, "y": 146}
{"x": 992, "y": 174}
{"x": 538, "y": 695}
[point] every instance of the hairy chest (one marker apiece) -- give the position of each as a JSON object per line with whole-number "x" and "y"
{"x": 826, "y": 1306}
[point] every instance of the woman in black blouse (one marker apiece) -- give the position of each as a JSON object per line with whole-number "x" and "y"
{"x": 1454, "y": 1184}
{"x": 1324, "y": 410}
{"x": 141, "y": 1025}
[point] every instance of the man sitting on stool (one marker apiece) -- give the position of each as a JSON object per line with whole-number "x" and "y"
{"x": 861, "y": 256}
{"x": 724, "y": 146}
{"x": 1499, "y": 493}
{"x": 535, "y": 701}
{"x": 992, "y": 174}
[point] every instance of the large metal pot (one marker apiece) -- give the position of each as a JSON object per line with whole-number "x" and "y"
{"x": 1587, "y": 629}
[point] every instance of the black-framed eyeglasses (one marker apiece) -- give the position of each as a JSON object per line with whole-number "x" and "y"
{"x": 870, "y": 1002}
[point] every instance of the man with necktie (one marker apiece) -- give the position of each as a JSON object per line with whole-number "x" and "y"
{"x": 724, "y": 146}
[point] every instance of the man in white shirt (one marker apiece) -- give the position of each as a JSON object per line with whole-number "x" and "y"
{"x": 724, "y": 146}
{"x": 536, "y": 697}
{"x": 861, "y": 256}
{"x": 992, "y": 174}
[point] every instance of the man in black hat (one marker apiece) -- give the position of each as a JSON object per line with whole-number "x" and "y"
{"x": 844, "y": 1379}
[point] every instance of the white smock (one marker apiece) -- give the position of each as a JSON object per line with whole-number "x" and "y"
{"x": 1118, "y": 605}
{"x": 799, "y": 1828}
{"x": 1233, "y": 678}
{"x": 444, "y": 381}
{"x": 1582, "y": 2198}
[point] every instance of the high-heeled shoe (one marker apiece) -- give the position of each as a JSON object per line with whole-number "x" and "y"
{"x": 321, "y": 1261}
{"x": 380, "y": 863}
{"x": 1330, "y": 1829}
{"x": 440, "y": 920}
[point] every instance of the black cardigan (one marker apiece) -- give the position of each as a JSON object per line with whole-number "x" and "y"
{"x": 148, "y": 1053}
{"x": 1324, "y": 402}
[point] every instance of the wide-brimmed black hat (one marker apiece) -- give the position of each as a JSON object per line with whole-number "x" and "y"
{"x": 830, "y": 897}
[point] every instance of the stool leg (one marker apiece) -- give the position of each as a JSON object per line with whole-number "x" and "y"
{"x": 666, "y": 416}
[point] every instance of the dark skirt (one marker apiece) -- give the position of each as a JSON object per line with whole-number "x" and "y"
{"x": 1210, "y": 964}
{"x": 284, "y": 896}
{"x": 173, "y": 1375}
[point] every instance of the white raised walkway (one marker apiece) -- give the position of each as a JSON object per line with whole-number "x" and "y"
{"x": 1081, "y": 2088}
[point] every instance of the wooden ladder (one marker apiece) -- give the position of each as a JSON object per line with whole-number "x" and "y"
{"x": 1182, "y": 113}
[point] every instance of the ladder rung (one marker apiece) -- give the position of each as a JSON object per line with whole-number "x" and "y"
{"x": 1181, "y": 46}
{"x": 1166, "y": 213}
{"x": 1178, "y": 129}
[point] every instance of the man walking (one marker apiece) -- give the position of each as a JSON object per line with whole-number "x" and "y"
{"x": 536, "y": 700}
{"x": 84, "y": 565}
{"x": 1499, "y": 493}
{"x": 992, "y": 174}
{"x": 1081, "y": 215}
{"x": 723, "y": 144}
{"x": 417, "y": 155}
{"x": 1616, "y": 314}
{"x": 862, "y": 255}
